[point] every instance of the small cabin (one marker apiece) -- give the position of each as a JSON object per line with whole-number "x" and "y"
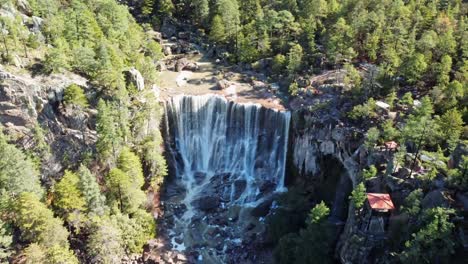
{"x": 391, "y": 146}
{"x": 379, "y": 208}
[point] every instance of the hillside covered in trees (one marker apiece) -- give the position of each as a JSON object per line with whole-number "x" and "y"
{"x": 82, "y": 160}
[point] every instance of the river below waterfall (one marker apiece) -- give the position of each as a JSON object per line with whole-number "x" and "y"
{"x": 228, "y": 163}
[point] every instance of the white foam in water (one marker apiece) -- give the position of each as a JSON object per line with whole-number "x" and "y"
{"x": 213, "y": 136}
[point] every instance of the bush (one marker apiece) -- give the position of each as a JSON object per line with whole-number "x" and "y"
{"x": 74, "y": 95}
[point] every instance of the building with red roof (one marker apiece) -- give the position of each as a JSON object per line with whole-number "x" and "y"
{"x": 380, "y": 202}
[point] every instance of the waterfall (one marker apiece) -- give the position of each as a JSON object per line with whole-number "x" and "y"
{"x": 230, "y": 153}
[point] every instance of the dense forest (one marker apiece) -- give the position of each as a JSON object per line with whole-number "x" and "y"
{"x": 406, "y": 53}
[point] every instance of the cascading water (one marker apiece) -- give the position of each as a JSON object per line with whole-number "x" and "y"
{"x": 228, "y": 158}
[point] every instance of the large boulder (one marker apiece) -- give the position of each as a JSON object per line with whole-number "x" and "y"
{"x": 185, "y": 64}
{"x": 207, "y": 203}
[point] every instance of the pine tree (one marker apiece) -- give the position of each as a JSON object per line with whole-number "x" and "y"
{"x": 451, "y": 126}
{"x": 105, "y": 243}
{"x": 37, "y": 222}
{"x": 294, "y": 59}
{"x": 75, "y": 95}
{"x": 60, "y": 255}
{"x": 68, "y": 198}
{"x": 109, "y": 142}
{"x": 95, "y": 201}
{"x": 130, "y": 164}
{"x": 147, "y": 7}
{"x": 228, "y": 10}
{"x": 201, "y": 10}
{"x": 217, "y": 32}
{"x": 123, "y": 193}
{"x": 358, "y": 195}
{"x": 18, "y": 174}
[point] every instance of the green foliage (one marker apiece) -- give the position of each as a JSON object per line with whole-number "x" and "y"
{"x": 432, "y": 243}
{"x": 415, "y": 67}
{"x": 6, "y": 240}
{"x": 37, "y": 223}
{"x": 74, "y": 95}
{"x": 135, "y": 231}
{"x": 451, "y": 126}
{"x": 369, "y": 173}
{"x": 33, "y": 254}
{"x": 310, "y": 244}
{"x": 279, "y": 62}
{"x": 18, "y": 173}
{"x": 60, "y": 255}
{"x": 201, "y": 10}
{"x": 56, "y": 60}
{"x": 89, "y": 188}
{"x": 293, "y": 89}
{"x": 217, "y": 32}
{"x": 458, "y": 177}
{"x": 109, "y": 139}
{"x": 294, "y": 60}
{"x": 319, "y": 213}
{"x": 358, "y": 195}
{"x": 389, "y": 132}
{"x": 130, "y": 164}
{"x": 412, "y": 203}
{"x": 105, "y": 244}
{"x": 68, "y": 198}
{"x": 352, "y": 79}
{"x": 124, "y": 193}
{"x": 407, "y": 99}
{"x": 372, "y": 136}
{"x": 363, "y": 111}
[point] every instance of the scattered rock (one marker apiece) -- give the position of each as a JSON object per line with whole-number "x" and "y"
{"x": 207, "y": 203}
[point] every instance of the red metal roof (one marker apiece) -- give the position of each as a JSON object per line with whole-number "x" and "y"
{"x": 380, "y": 201}
{"x": 391, "y": 145}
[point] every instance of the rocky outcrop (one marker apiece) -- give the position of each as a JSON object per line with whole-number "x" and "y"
{"x": 317, "y": 138}
{"x": 135, "y": 77}
{"x": 27, "y": 102}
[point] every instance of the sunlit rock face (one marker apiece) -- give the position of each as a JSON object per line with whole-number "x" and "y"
{"x": 229, "y": 161}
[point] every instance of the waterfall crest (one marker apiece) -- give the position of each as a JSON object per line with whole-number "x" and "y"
{"x": 225, "y": 155}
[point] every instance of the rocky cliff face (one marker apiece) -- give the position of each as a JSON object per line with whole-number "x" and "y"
{"x": 27, "y": 102}
{"x": 321, "y": 146}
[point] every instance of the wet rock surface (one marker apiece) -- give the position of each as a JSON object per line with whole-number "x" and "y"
{"x": 216, "y": 203}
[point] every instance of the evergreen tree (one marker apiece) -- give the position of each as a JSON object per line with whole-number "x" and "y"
{"x": 358, "y": 195}
{"x": 217, "y": 31}
{"x": 201, "y": 10}
{"x": 228, "y": 11}
{"x": 451, "y": 126}
{"x": 123, "y": 193}
{"x": 75, "y": 95}
{"x": 69, "y": 200}
{"x": 109, "y": 141}
{"x": 434, "y": 242}
{"x": 105, "y": 243}
{"x": 60, "y": 255}
{"x": 294, "y": 59}
{"x": 18, "y": 174}
{"x": 95, "y": 201}
{"x": 37, "y": 223}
